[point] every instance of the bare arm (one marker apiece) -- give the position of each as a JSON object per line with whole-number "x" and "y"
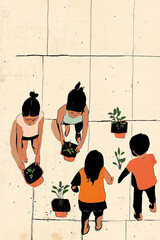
{"x": 108, "y": 177}
{"x": 19, "y": 145}
{"x": 60, "y": 115}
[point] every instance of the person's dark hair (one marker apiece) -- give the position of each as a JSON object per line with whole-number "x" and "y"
{"x": 93, "y": 165}
{"x": 139, "y": 143}
{"x": 31, "y": 106}
{"x": 76, "y": 99}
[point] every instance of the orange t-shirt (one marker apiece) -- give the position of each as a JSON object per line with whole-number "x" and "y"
{"x": 143, "y": 170}
{"x": 92, "y": 193}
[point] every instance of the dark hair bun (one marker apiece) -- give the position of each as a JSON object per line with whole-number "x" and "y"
{"x": 33, "y": 95}
{"x": 77, "y": 86}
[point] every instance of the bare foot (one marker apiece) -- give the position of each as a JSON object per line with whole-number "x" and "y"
{"x": 67, "y": 129}
{"x": 153, "y": 207}
{"x": 98, "y": 223}
{"x": 86, "y": 227}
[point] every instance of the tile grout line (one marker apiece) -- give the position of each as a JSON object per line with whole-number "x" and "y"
{"x": 125, "y": 229}
{"x": 107, "y": 121}
{"x": 47, "y": 27}
{"x": 88, "y": 55}
{"x": 90, "y": 67}
{"x": 33, "y": 196}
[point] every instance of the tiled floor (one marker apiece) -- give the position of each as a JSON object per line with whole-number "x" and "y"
{"x": 113, "y": 49}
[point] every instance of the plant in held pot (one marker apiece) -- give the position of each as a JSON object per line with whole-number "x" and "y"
{"x": 60, "y": 205}
{"x": 68, "y": 151}
{"x": 118, "y": 126}
{"x": 120, "y": 160}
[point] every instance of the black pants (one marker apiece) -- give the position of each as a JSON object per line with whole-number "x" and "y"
{"x": 137, "y": 203}
{"x": 86, "y": 214}
{"x": 78, "y": 127}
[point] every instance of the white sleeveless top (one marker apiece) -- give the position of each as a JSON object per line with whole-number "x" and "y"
{"x": 29, "y": 130}
{"x": 72, "y": 121}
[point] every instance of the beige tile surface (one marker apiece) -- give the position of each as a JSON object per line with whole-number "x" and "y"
{"x": 112, "y": 27}
{"x": 109, "y": 230}
{"x": 147, "y": 33}
{"x": 146, "y": 88}
{"x": 69, "y": 27}
{"x": 23, "y": 27}
{"x": 110, "y": 87}
{"x": 56, "y": 230}
{"x": 144, "y": 230}
{"x": 60, "y": 79}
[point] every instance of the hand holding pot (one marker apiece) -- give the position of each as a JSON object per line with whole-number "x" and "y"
{"x": 62, "y": 140}
{"x": 78, "y": 148}
{"x": 22, "y": 167}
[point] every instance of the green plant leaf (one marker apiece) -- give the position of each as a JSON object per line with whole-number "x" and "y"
{"x": 122, "y": 118}
{"x": 31, "y": 175}
{"x": 122, "y": 160}
{"x": 33, "y": 170}
{"x": 66, "y": 186}
{"x": 110, "y": 113}
{"x": 64, "y": 191}
{"x": 59, "y": 190}
{"x": 54, "y": 187}
{"x": 113, "y": 121}
{"x": 26, "y": 172}
{"x": 60, "y": 184}
{"x": 70, "y": 144}
{"x": 29, "y": 170}
{"x": 114, "y": 111}
{"x": 55, "y": 193}
{"x": 119, "y": 113}
{"x": 122, "y": 153}
{"x": 117, "y": 109}
{"x": 115, "y": 154}
{"x": 114, "y": 163}
{"x": 118, "y": 150}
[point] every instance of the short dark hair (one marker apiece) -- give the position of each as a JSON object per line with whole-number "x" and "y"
{"x": 139, "y": 144}
{"x": 93, "y": 165}
{"x": 76, "y": 99}
{"x": 31, "y": 106}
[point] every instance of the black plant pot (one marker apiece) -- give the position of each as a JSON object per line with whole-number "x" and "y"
{"x": 66, "y": 145}
{"x": 61, "y": 207}
{"x": 36, "y": 175}
{"x": 119, "y": 129}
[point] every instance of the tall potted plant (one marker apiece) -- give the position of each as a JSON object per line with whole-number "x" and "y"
{"x": 60, "y": 205}
{"x": 118, "y": 126}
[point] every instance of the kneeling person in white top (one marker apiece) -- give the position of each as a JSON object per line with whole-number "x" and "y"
{"x": 29, "y": 128}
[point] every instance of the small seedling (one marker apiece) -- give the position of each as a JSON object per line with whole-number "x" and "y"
{"x": 120, "y": 160}
{"x": 30, "y": 172}
{"x": 61, "y": 190}
{"x": 115, "y": 117}
{"x": 69, "y": 149}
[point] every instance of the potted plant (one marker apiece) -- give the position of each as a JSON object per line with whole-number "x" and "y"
{"x": 120, "y": 160}
{"x": 60, "y": 205}
{"x": 33, "y": 175}
{"x": 68, "y": 151}
{"x": 118, "y": 126}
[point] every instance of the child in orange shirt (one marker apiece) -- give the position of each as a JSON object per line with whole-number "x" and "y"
{"x": 92, "y": 193}
{"x": 143, "y": 177}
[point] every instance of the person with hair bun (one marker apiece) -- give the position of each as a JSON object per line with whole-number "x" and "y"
{"x": 29, "y": 128}
{"x": 75, "y": 112}
{"x": 91, "y": 193}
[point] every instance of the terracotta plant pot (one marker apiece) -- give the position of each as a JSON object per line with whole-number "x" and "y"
{"x": 67, "y": 156}
{"x": 61, "y": 207}
{"x": 61, "y": 214}
{"x": 37, "y": 178}
{"x": 119, "y": 129}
